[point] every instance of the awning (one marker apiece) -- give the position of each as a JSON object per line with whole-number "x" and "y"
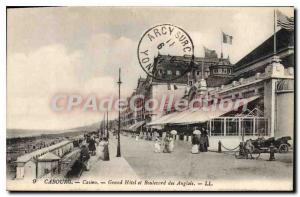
{"x": 198, "y": 116}
{"x": 135, "y": 126}
{"x": 161, "y": 120}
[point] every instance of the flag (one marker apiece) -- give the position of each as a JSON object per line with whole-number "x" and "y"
{"x": 284, "y": 21}
{"x": 210, "y": 53}
{"x": 227, "y": 38}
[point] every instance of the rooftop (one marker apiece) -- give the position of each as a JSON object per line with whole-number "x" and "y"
{"x": 285, "y": 39}
{"x": 49, "y": 157}
{"x": 25, "y": 158}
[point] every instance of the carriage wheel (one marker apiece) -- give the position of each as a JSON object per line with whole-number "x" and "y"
{"x": 283, "y": 148}
{"x": 255, "y": 154}
{"x": 237, "y": 155}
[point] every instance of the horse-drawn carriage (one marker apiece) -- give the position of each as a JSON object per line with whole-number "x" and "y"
{"x": 253, "y": 148}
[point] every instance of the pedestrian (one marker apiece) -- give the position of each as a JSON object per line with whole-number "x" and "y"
{"x": 101, "y": 149}
{"x": 105, "y": 150}
{"x": 92, "y": 146}
{"x": 136, "y": 137}
{"x": 206, "y": 140}
{"x": 157, "y": 145}
{"x": 195, "y": 143}
{"x": 166, "y": 144}
{"x": 84, "y": 157}
{"x": 97, "y": 140}
{"x": 171, "y": 143}
{"x": 204, "y": 144}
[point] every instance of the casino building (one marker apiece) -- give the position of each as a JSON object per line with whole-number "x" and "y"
{"x": 264, "y": 82}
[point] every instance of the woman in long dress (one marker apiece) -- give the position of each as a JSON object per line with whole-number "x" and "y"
{"x": 105, "y": 150}
{"x": 101, "y": 149}
{"x": 202, "y": 143}
{"x": 167, "y": 145}
{"x": 136, "y": 137}
{"x": 206, "y": 141}
{"x": 157, "y": 146}
{"x": 171, "y": 144}
{"x": 195, "y": 143}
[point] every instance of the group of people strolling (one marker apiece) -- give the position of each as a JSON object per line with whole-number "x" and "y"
{"x": 88, "y": 149}
{"x": 200, "y": 142}
{"x": 166, "y": 145}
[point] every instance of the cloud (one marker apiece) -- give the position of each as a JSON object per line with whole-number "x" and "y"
{"x": 34, "y": 78}
{"x": 108, "y": 53}
{"x": 79, "y": 50}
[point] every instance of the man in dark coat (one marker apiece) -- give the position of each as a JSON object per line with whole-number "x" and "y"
{"x": 84, "y": 157}
{"x": 204, "y": 143}
{"x": 92, "y": 146}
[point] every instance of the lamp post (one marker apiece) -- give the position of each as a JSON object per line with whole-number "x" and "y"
{"x": 119, "y": 122}
{"x": 107, "y": 132}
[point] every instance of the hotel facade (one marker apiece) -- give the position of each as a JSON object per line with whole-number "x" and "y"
{"x": 262, "y": 79}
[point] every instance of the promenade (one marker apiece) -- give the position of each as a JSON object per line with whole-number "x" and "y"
{"x": 116, "y": 167}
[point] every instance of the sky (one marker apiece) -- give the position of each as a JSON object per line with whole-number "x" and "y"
{"x": 78, "y": 50}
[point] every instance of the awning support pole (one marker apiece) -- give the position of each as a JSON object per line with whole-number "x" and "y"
{"x": 254, "y": 125}
{"x": 224, "y": 126}
{"x": 209, "y": 128}
{"x": 240, "y": 126}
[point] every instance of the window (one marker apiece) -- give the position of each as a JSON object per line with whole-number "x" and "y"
{"x": 46, "y": 171}
{"x": 206, "y": 74}
{"x": 198, "y": 72}
{"x": 261, "y": 127}
{"x": 261, "y": 90}
{"x": 247, "y": 126}
{"x": 217, "y": 127}
{"x": 177, "y": 72}
{"x": 248, "y": 93}
{"x": 190, "y": 83}
{"x": 169, "y": 72}
{"x": 232, "y": 127}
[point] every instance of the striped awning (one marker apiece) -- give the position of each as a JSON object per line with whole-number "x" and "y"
{"x": 193, "y": 116}
{"x": 137, "y": 125}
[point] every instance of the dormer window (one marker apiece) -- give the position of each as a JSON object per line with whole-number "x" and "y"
{"x": 206, "y": 74}
{"x": 177, "y": 72}
{"x": 169, "y": 72}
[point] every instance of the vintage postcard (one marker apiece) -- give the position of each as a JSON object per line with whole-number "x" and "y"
{"x": 150, "y": 99}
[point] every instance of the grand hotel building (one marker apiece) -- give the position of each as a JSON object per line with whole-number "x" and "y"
{"x": 265, "y": 80}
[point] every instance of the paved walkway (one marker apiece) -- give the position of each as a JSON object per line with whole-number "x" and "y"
{"x": 181, "y": 164}
{"x": 116, "y": 167}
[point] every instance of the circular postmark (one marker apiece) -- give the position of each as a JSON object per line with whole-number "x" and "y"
{"x": 168, "y": 40}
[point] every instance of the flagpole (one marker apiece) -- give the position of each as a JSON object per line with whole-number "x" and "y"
{"x": 107, "y": 124}
{"x": 202, "y": 69}
{"x": 221, "y": 44}
{"x": 274, "y": 33}
{"x": 104, "y": 126}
